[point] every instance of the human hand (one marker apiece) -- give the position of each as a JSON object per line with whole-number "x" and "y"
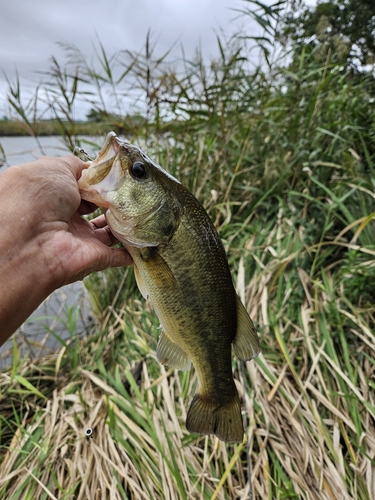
{"x": 44, "y": 241}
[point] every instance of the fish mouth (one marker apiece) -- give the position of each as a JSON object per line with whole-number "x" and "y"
{"x": 102, "y": 174}
{"x": 100, "y": 184}
{"x": 109, "y": 149}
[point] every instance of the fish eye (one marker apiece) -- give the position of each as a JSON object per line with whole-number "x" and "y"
{"x": 138, "y": 170}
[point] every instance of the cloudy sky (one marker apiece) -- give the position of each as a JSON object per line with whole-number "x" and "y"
{"x": 30, "y": 31}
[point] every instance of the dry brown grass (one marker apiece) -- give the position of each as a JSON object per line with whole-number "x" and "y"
{"x": 304, "y": 437}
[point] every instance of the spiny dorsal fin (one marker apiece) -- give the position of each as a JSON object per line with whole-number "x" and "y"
{"x": 246, "y": 342}
{"x": 171, "y": 354}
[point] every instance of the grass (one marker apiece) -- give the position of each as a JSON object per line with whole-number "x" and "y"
{"x": 283, "y": 161}
{"x": 311, "y": 411}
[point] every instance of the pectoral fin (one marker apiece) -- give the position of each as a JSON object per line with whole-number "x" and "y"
{"x": 171, "y": 354}
{"x": 160, "y": 272}
{"x": 246, "y": 342}
{"x": 140, "y": 282}
{"x": 158, "y": 269}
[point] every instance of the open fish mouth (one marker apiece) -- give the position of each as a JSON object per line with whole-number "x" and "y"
{"x": 103, "y": 173}
{"x": 110, "y": 149}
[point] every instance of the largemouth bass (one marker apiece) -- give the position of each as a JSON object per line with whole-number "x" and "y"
{"x": 181, "y": 266}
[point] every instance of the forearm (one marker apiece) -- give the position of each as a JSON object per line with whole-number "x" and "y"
{"x": 23, "y": 281}
{"x": 23, "y": 286}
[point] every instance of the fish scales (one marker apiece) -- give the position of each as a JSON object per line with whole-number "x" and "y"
{"x": 181, "y": 266}
{"x": 213, "y": 315}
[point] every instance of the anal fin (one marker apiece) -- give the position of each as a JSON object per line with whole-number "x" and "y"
{"x": 246, "y": 342}
{"x": 169, "y": 353}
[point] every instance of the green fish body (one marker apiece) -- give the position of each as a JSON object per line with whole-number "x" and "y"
{"x": 181, "y": 267}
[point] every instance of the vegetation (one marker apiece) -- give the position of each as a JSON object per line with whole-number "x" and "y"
{"x": 47, "y": 127}
{"x": 345, "y": 26}
{"x": 282, "y": 157}
{"x": 54, "y": 127}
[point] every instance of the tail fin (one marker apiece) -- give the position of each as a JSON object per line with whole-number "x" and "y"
{"x": 207, "y": 416}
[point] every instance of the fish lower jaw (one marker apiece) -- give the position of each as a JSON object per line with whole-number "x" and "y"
{"x": 126, "y": 237}
{"x": 130, "y": 243}
{"x": 93, "y": 197}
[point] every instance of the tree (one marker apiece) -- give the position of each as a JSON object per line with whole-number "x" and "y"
{"x": 96, "y": 116}
{"x": 345, "y": 28}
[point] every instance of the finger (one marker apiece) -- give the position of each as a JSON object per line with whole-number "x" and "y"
{"x": 99, "y": 221}
{"x": 110, "y": 257}
{"x": 119, "y": 257}
{"x": 102, "y": 231}
{"x": 105, "y": 235}
{"x": 96, "y": 229}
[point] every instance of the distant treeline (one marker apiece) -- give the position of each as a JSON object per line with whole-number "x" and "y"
{"x": 128, "y": 125}
{"x": 50, "y": 127}
{"x": 98, "y": 122}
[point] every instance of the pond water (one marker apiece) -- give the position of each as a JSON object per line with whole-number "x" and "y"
{"x": 66, "y": 311}
{"x": 23, "y": 149}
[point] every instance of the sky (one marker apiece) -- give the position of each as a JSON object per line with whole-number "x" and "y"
{"x": 30, "y": 31}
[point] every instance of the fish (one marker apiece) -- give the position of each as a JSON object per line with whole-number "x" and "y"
{"x": 181, "y": 266}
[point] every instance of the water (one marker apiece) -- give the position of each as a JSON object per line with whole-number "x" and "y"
{"x": 24, "y": 149}
{"x": 66, "y": 311}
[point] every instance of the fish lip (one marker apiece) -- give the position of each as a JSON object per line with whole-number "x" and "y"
{"x": 108, "y": 153}
{"x": 110, "y": 148}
